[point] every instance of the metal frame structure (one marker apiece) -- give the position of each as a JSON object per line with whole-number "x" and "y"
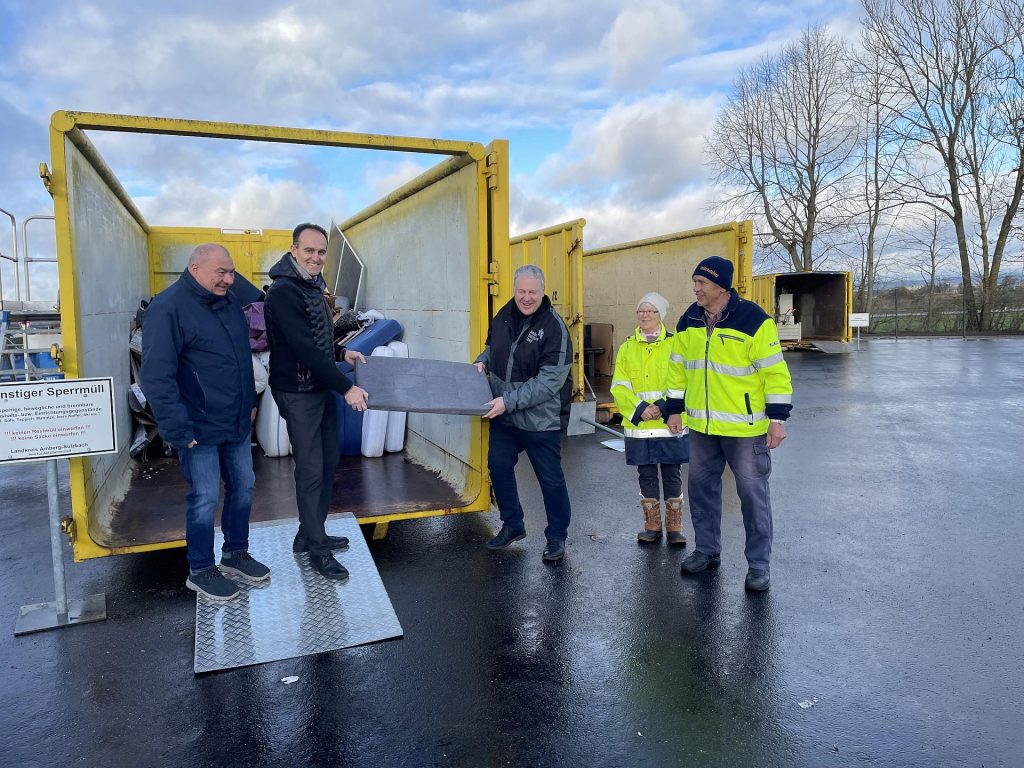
{"x": 13, "y": 259}
{"x": 29, "y": 260}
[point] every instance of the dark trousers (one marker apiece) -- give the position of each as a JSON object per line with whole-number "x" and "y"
{"x": 671, "y": 480}
{"x": 544, "y": 450}
{"x": 313, "y": 431}
{"x": 751, "y": 464}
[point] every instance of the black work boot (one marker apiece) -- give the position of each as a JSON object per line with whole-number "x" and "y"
{"x": 505, "y": 537}
{"x": 697, "y": 562}
{"x": 757, "y": 580}
{"x": 555, "y": 550}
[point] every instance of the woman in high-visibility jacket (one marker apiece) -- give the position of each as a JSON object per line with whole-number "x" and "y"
{"x": 639, "y": 387}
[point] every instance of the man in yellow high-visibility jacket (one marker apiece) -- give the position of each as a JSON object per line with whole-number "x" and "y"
{"x": 728, "y": 377}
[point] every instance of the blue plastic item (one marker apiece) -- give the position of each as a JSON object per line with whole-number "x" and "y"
{"x": 350, "y": 423}
{"x": 377, "y": 335}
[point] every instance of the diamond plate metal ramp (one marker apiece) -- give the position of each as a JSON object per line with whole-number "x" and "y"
{"x": 299, "y": 612}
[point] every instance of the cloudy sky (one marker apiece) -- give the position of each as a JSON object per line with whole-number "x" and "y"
{"x": 605, "y": 103}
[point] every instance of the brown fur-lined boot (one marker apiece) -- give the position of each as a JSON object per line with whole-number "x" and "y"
{"x": 674, "y": 522}
{"x": 652, "y": 521}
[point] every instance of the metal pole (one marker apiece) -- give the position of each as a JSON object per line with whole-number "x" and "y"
{"x": 896, "y": 312}
{"x": 14, "y": 245}
{"x": 53, "y": 501}
{"x": 39, "y": 617}
{"x": 963, "y": 308}
{"x": 609, "y": 430}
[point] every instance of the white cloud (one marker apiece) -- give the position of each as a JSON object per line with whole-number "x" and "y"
{"x": 644, "y": 151}
{"x": 642, "y": 39}
{"x": 637, "y": 81}
{"x": 611, "y": 222}
{"x": 383, "y": 177}
{"x": 253, "y": 203}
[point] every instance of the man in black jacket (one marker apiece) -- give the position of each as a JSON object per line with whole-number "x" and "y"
{"x": 303, "y": 379}
{"x": 528, "y": 357}
{"x": 197, "y": 374}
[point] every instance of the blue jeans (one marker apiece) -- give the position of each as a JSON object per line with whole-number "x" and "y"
{"x": 544, "y": 449}
{"x": 204, "y": 466}
{"x": 751, "y": 463}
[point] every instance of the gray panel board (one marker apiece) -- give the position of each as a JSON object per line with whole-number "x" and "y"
{"x": 299, "y": 612}
{"x": 424, "y": 386}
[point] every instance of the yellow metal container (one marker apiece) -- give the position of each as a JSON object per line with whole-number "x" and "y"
{"x": 820, "y": 302}
{"x": 109, "y": 258}
{"x": 615, "y": 277}
{"x": 558, "y": 250}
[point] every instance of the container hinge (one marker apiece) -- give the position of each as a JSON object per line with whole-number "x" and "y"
{"x": 491, "y": 170}
{"x": 57, "y": 353}
{"x": 491, "y": 277}
{"x": 44, "y": 174}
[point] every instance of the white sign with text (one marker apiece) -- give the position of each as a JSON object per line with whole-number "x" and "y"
{"x": 859, "y": 319}
{"x": 56, "y": 418}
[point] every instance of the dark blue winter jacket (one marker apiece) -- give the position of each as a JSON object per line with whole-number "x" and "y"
{"x": 196, "y": 364}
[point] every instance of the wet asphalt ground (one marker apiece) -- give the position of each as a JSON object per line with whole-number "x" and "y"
{"x": 891, "y": 635}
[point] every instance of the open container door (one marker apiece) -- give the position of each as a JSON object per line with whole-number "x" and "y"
{"x": 432, "y": 259}
{"x": 439, "y": 251}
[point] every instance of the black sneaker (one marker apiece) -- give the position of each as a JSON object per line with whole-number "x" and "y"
{"x": 336, "y": 543}
{"x": 555, "y": 550}
{"x": 757, "y": 580}
{"x": 505, "y": 537}
{"x": 243, "y": 566}
{"x": 697, "y": 561}
{"x": 212, "y": 585}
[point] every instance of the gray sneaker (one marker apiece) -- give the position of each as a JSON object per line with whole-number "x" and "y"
{"x": 212, "y": 585}
{"x": 242, "y": 565}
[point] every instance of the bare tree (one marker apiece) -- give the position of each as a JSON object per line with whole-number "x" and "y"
{"x": 781, "y": 147}
{"x": 928, "y": 252}
{"x": 955, "y": 67}
{"x": 876, "y": 197}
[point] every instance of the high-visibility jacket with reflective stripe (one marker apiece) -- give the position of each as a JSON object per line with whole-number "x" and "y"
{"x": 731, "y": 382}
{"x": 640, "y": 380}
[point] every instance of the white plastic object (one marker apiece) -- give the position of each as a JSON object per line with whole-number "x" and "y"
{"x": 271, "y": 429}
{"x": 375, "y": 423}
{"x": 260, "y": 373}
{"x": 394, "y": 440}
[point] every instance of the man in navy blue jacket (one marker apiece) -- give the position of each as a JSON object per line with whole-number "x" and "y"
{"x": 197, "y": 375}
